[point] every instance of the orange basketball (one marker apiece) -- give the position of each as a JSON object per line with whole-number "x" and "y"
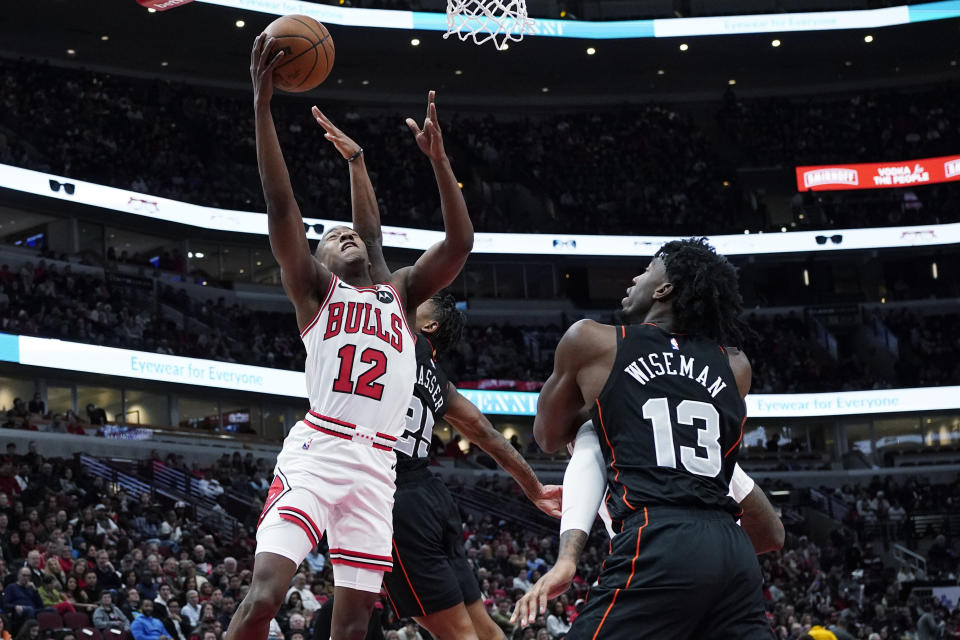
{"x": 308, "y": 52}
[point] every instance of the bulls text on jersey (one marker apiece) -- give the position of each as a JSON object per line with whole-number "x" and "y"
{"x": 363, "y": 317}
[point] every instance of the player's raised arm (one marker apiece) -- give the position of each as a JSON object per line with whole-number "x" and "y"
{"x": 302, "y": 275}
{"x": 363, "y": 200}
{"x": 474, "y": 426}
{"x": 442, "y": 262}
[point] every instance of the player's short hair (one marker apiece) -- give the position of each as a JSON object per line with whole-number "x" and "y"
{"x": 450, "y": 321}
{"x": 706, "y": 295}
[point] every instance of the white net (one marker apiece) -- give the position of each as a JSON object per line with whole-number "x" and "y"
{"x": 483, "y": 20}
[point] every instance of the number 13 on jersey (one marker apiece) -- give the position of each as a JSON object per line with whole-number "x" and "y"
{"x": 657, "y": 411}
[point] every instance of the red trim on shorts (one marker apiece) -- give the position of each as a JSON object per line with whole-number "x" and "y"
{"x": 605, "y": 614}
{"x": 730, "y": 450}
{"x": 316, "y": 316}
{"x": 362, "y": 565}
{"x": 300, "y": 523}
{"x": 633, "y": 565}
{"x": 320, "y": 416}
{"x": 329, "y": 432}
{"x": 392, "y": 603}
{"x": 386, "y": 437}
{"x": 305, "y": 516}
{"x": 369, "y": 556}
{"x": 407, "y": 577}
{"x": 381, "y": 447}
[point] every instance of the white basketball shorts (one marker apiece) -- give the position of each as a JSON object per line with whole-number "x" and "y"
{"x": 324, "y": 483}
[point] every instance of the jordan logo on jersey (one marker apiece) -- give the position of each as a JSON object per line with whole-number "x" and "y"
{"x": 363, "y": 317}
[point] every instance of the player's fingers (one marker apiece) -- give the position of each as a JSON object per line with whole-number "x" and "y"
{"x": 532, "y": 606}
{"x": 274, "y": 60}
{"x": 543, "y": 602}
{"x": 413, "y": 126}
{"x": 516, "y": 612}
{"x": 432, "y": 113}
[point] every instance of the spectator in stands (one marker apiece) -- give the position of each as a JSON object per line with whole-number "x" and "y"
{"x": 307, "y": 598}
{"x": 29, "y": 631}
{"x": 107, "y": 616}
{"x": 33, "y": 565}
{"x": 178, "y": 627}
{"x": 96, "y": 415}
{"x": 409, "y": 631}
{"x": 146, "y": 626}
{"x": 131, "y": 605}
{"x": 107, "y": 576}
{"x": 51, "y": 596}
{"x": 557, "y": 623}
{"x": 191, "y": 610}
{"x": 21, "y": 599}
{"x": 37, "y": 406}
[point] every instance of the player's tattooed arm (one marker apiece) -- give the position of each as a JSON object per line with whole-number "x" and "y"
{"x": 555, "y": 582}
{"x": 474, "y": 426}
{"x": 363, "y": 200}
{"x": 302, "y": 276}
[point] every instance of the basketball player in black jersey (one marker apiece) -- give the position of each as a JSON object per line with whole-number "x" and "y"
{"x": 666, "y": 396}
{"x": 433, "y": 583}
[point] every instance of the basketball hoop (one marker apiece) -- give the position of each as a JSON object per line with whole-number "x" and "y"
{"x": 482, "y": 20}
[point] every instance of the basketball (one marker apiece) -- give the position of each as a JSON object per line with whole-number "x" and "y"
{"x": 308, "y": 52}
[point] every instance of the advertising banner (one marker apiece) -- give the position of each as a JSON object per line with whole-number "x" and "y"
{"x": 74, "y": 356}
{"x": 175, "y": 211}
{"x": 878, "y": 175}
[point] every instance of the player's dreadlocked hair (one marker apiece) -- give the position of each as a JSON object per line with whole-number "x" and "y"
{"x": 450, "y": 321}
{"x": 706, "y": 296}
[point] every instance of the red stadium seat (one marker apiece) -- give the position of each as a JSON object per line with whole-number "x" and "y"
{"x": 76, "y": 620}
{"x": 49, "y": 620}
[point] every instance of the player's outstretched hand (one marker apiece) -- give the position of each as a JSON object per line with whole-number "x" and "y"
{"x": 344, "y": 143}
{"x": 429, "y": 139}
{"x": 262, "y": 65}
{"x": 550, "y": 500}
{"x": 553, "y": 584}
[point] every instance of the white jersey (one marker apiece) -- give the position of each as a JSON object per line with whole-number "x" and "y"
{"x": 361, "y": 364}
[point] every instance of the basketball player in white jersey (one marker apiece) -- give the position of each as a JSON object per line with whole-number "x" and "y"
{"x": 335, "y": 473}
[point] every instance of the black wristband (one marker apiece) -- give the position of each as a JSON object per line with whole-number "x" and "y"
{"x": 356, "y": 155}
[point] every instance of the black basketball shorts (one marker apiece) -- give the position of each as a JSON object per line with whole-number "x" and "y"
{"x": 430, "y": 569}
{"x": 677, "y": 573}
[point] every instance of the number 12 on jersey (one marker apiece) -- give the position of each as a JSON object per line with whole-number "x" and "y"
{"x": 367, "y": 384}
{"x": 657, "y": 411}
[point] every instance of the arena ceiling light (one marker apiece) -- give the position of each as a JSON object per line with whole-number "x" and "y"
{"x": 591, "y": 51}
{"x": 415, "y": 42}
{"x": 868, "y": 38}
{"x": 104, "y": 38}
{"x": 775, "y": 43}
{"x": 684, "y": 46}
{"x": 240, "y": 24}
{"x": 618, "y": 29}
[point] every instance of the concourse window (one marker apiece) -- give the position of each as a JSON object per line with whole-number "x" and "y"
{"x": 146, "y": 408}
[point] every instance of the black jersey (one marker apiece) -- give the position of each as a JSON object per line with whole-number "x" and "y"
{"x": 429, "y": 402}
{"x": 669, "y": 420}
